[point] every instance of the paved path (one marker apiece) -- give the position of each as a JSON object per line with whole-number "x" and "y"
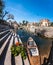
{"x": 26, "y": 62}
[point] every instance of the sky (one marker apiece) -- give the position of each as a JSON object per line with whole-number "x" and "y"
{"x": 30, "y": 10}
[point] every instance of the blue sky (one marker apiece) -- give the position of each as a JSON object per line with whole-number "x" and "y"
{"x": 31, "y": 10}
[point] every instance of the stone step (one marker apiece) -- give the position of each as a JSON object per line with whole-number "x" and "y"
{"x": 3, "y": 32}
{"x": 18, "y": 59}
{"x": 8, "y": 54}
{"x": 4, "y": 52}
{"x": 3, "y": 39}
{"x": 19, "y": 39}
{"x": 4, "y": 36}
{"x": 4, "y": 44}
{"x": 16, "y": 40}
{"x": 26, "y": 62}
{"x": 7, "y": 60}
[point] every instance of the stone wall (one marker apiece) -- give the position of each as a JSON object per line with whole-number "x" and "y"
{"x": 44, "y": 31}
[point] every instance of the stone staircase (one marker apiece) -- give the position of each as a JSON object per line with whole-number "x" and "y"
{"x": 7, "y": 39}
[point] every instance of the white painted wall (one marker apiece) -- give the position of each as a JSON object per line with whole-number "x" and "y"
{"x": 44, "y": 24}
{"x": 32, "y": 28}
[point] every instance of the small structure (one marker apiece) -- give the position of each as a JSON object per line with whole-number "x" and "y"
{"x": 31, "y": 27}
{"x": 44, "y": 22}
{"x": 10, "y": 22}
{"x": 15, "y": 25}
{"x": 33, "y": 52}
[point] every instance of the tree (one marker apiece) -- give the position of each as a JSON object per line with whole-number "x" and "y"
{"x": 23, "y": 22}
{"x": 2, "y": 12}
{"x": 10, "y": 16}
{"x": 1, "y": 8}
{"x": 26, "y": 22}
{"x": 51, "y": 23}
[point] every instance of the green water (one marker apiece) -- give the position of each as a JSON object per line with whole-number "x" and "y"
{"x": 42, "y": 43}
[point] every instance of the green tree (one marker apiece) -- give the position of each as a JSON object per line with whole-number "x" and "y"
{"x": 23, "y": 22}
{"x": 51, "y": 23}
{"x": 26, "y": 23}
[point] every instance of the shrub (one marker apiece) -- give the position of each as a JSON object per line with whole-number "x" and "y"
{"x": 13, "y": 50}
{"x": 23, "y": 54}
{"x": 16, "y": 50}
